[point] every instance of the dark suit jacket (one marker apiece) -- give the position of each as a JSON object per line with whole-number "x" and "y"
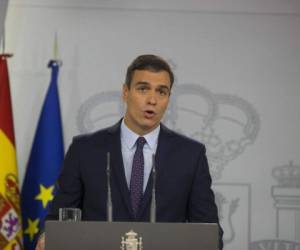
{"x": 183, "y": 182}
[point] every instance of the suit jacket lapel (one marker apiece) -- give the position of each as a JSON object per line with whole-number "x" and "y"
{"x": 117, "y": 164}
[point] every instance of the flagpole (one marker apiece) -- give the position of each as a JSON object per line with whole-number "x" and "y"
{"x": 56, "y": 50}
{"x": 3, "y": 45}
{"x": 3, "y": 40}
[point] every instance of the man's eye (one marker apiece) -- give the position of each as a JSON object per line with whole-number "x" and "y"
{"x": 163, "y": 92}
{"x": 142, "y": 89}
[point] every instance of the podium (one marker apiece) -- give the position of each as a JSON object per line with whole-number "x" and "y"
{"x": 87, "y": 235}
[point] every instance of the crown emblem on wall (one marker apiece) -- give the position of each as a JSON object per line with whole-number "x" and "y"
{"x": 287, "y": 175}
{"x": 226, "y": 124}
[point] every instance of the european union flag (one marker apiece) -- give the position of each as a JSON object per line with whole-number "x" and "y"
{"x": 44, "y": 164}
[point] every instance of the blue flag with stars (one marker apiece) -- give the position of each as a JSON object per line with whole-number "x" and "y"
{"x": 44, "y": 164}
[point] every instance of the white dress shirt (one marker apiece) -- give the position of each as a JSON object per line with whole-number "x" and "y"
{"x": 128, "y": 146}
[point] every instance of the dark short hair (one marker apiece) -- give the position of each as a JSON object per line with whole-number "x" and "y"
{"x": 148, "y": 62}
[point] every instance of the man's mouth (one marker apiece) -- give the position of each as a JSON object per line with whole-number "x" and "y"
{"x": 149, "y": 114}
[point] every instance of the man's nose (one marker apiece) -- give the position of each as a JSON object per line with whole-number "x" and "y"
{"x": 152, "y": 98}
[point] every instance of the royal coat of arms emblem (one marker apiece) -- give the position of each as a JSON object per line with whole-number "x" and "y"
{"x": 131, "y": 242}
{"x": 10, "y": 224}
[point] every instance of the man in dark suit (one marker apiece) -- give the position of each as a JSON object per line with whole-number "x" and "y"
{"x": 183, "y": 182}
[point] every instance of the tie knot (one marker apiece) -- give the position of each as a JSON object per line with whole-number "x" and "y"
{"x": 140, "y": 142}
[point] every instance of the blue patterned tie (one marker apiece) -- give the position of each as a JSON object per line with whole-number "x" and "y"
{"x": 137, "y": 175}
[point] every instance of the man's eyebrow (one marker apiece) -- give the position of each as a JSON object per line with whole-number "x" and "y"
{"x": 142, "y": 83}
{"x": 163, "y": 87}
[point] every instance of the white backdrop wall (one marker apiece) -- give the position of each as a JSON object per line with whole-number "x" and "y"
{"x": 237, "y": 89}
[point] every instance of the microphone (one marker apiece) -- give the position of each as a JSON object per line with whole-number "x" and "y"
{"x": 109, "y": 201}
{"x": 153, "y": 200}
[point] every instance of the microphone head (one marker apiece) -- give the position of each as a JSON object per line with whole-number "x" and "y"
{"x": 108, "y": 161}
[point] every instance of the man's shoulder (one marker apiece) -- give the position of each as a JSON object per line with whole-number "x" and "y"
{"x": 96, "y": 136}
{"x": 181, "y": 139}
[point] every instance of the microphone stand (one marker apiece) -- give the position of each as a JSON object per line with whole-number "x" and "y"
{"x": 153, "y": 201}
{"x": 109, "y": 201}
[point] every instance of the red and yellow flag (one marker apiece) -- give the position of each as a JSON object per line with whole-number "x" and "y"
{"x": 10, "y": 212}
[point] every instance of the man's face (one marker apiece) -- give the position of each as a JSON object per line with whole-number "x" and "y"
{"x": 147, "y": 100}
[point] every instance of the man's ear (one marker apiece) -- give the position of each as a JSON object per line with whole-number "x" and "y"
{"x": 125, "y": 92}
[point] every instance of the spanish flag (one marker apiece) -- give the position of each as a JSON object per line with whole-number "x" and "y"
{"x": 10, "y": 213}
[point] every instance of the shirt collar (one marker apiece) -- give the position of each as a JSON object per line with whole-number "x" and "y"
{"x": 130, "y": 137}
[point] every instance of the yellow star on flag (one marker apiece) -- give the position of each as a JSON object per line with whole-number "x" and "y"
{"x": 32, "y": 228}
{"x": 45, "y": 195}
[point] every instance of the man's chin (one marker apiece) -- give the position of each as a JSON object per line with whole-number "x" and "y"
{"x": 149, "y": 126}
